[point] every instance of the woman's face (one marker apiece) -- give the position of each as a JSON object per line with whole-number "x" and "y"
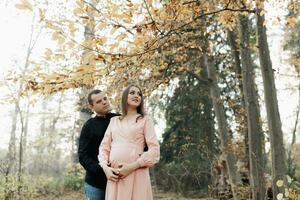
{"x": 134, "y": 97}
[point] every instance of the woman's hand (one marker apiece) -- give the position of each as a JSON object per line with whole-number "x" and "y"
{"x": 111, "y": 173}
{"x": 125, "y": 169}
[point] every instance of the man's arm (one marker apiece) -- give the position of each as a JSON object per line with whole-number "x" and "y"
{"x": 84, "y": 158}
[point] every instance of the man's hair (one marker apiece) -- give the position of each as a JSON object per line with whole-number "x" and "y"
{"x": 90, "y": 96}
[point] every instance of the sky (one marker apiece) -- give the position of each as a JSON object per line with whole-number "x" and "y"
{"x": 15, "y": 32}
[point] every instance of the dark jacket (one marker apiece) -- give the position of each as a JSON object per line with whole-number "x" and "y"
{"x": 89, "y": 141}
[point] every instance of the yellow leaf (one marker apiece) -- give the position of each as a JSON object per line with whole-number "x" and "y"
{"x": 56, "y": 35}
{"x": 42, "y": 14}
{"x": 60, "y": 56}
{"x": 101, "y": 26}
{"x": 24, "y": 5}
{"x": 121, "y": 37}
{"x": 100, "y": 41}
{"x": 48, "y": 54}
{"x": 113, "y": 46}
{"x": 274, "y": 22}
{"x": 72, "y": 28}
{"x": 139, "y": 40}
{"x": 126, "y": 18}
{"x": 149, "y": 2}
{"x": 88, "y": 57}
{"x": 88, "y": 43}
{"x": 37, "y": 68}
{"x": 80, "y": 3}
{"x": 100, "y": 58}
{"x": 123, "y": 50}
{"x": 78, "y": 12}
{"x": 291, "y": 21}
{"x": 50, "y": 25}
{"x": 70, "y": 45}
{"x": 113, "y": 30}
{"x": 101, "y": 72}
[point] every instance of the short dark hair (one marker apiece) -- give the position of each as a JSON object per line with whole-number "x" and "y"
{"x": 90, "y": 95}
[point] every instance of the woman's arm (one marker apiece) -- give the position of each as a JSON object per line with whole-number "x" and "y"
{"x": 148, "y": 158}
{"x": 104, "y": 151}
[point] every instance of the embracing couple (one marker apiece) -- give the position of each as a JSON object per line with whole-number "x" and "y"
{"x": 112, "y": 148}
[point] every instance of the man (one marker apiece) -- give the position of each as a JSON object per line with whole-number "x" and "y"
{"x": 90, "y": 138}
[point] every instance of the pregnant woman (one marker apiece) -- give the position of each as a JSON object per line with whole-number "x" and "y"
{"x": 122, "y": 148}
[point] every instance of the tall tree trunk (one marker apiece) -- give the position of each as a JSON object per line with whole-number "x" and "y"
{"x": 57, "y": 115}
{"x": 290, "y": 160}
{"x": 12, "y": 147}
{"x": 279, "y": 169}
{"x": 230, "y": 158}
{"x": 52, "y": 125}
{"x": 26, "y": 131}
{"x": 11, "y": 155}
{"x": 253, "y": 113}
{"x": 20, "y": 151}
{"x": 232, "y": 37}
{"x": 40, "y": 167}
{"x": 84, "y": 112}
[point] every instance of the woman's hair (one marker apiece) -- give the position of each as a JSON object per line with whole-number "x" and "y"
{"x": 140, "y": 108}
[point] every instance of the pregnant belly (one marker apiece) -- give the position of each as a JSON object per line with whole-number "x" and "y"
{"x": 123, "y": 154}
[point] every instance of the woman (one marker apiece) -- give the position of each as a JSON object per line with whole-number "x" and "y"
{"x": 121, "y": 153}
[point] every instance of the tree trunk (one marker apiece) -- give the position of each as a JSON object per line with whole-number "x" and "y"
{"x": 20, "y": 151}
{"x": 84, "y": 112}
{"x": 26, "y": 132}
{"x": 253, "y": 114}
{"x": 279, "y": 169}
{"x": 40, "y": 167}
{"x": 234, "y": 177}
{"x": 11, "y": 155}
{"x": 238, "y": 71}
{"x": 290, "y": 161}
{"x": 12, "y": 147}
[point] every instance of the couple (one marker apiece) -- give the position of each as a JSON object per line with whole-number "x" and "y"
{"x": 111, "y": 148}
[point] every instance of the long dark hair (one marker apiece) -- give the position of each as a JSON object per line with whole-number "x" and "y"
{"x": 140, "y": 108}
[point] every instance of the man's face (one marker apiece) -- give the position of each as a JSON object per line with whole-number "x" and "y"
{"x": 100, "y": 103}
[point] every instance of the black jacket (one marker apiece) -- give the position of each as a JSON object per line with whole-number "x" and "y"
{"x": 89, "y": 141}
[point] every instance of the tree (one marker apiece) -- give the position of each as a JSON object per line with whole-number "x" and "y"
{"x": 291, "y": 44}
{"x": 189, "y": 146}
{"x": 226, "y": 143}
{"x": 255, "y": 133}
{"x": 279, "y": 170}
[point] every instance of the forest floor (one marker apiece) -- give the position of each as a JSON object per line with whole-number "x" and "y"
{"x": 80, "y": 196}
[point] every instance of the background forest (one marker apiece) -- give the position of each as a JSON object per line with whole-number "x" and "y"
{"x": 221, "y": 80}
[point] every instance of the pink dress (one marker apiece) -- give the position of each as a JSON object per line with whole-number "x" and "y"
{"x": 124, "y": 143}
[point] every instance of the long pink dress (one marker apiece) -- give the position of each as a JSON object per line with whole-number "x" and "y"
{"x": 124, "y": 143}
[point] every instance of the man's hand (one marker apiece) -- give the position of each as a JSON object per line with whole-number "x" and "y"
{"x": 111, "y": 173}
{"x": 126, "y": 169}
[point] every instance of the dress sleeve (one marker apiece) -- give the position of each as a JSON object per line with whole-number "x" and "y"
{"x": 105, "y": 146}
{"x": 150, "y": 157}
